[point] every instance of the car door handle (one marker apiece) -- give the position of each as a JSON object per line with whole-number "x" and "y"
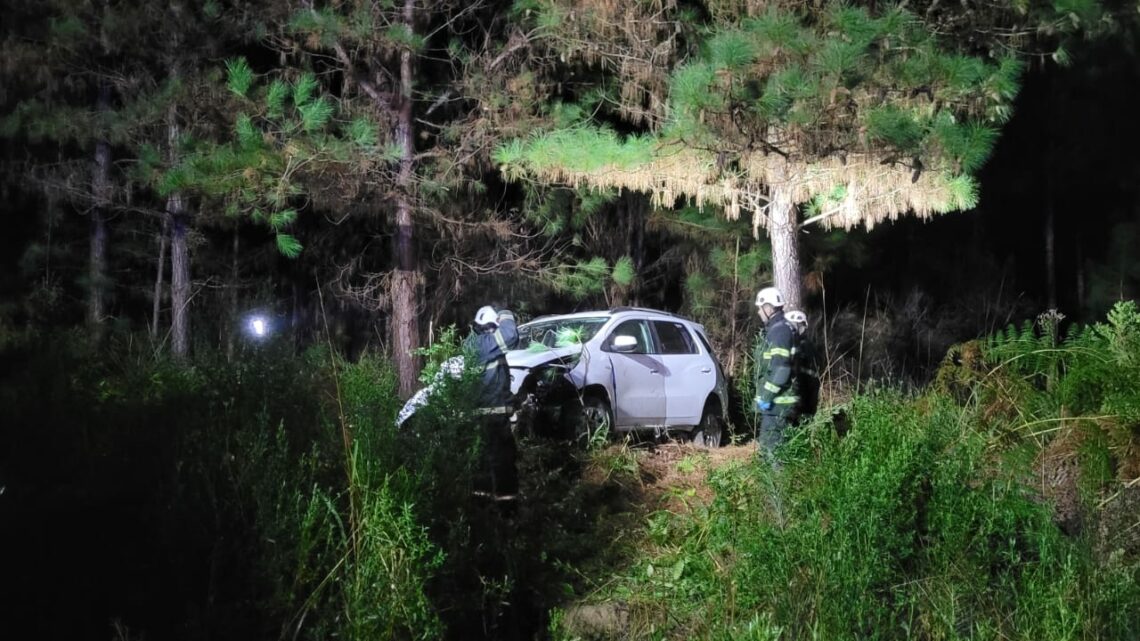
{"x": 706, "y": 370}
{"x": 653, "y": 371}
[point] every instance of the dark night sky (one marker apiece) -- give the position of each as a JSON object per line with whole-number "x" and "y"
{"x": 1073, "y": 141}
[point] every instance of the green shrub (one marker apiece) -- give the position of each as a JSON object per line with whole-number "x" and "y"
{"x": 907, "y": 527}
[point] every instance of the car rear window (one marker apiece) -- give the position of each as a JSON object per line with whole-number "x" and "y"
{"x": 674, "y": 337}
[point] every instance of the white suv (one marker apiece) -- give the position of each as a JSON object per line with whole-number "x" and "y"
{"x": 633, "y": 369}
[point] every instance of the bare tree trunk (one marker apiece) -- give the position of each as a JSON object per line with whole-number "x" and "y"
{"x": 635, "y": 203}
{"x": 156, "y": 309}
{"x": 179, "y": 282}
{"x": 783, "y": 231}
{"x": 101, "y": 187}
{"x": 235, "y": 323}
{"x": 405, "y": 329}
{"x": 734, "y": 305}
{"x": 179, "y": 259}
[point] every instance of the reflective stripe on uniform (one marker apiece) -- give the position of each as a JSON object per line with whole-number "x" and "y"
{"x": 490, "y": 366}
{"x": 779, "y": 351}
{"x": 502, "y": 343}
{"x": 779, "y": 400}
{"x": 770, "y": 387}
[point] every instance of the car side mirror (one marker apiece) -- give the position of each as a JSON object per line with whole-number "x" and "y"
{"x": 624, "y": 344}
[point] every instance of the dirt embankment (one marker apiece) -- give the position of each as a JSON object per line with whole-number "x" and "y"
{"x": 615, "y": 490}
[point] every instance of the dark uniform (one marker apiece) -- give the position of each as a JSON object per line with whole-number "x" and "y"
{"x": 806, "y": 368}
{"x": 489, "y": 349}
{"x": 775, "y": 381}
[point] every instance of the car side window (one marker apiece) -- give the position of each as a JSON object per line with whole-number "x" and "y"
{"x": 675, "y": 338}
{"x": 639, "y": 330}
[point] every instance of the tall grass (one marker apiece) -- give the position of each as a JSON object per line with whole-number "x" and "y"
{"x": 914, "y": 516}
{"x": 272, "y": 497}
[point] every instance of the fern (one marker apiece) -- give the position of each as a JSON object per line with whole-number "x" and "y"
{"x": 1087, "y": 371}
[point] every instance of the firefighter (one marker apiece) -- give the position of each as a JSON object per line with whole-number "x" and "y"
{"x": 494, "y": 333}
{"x": 773, "y": 376}
{"x": 805, "y": 367}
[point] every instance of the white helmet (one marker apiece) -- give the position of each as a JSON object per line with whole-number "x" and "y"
{"x": 486, "y": 316}
{"x": 770, "y": 296}
{"x": 798, "y": 320}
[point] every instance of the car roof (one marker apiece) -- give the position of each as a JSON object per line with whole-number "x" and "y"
{"x": 550, "y": 317}
{"x": 610, "y": 313}
{"x": 646, "y": 310}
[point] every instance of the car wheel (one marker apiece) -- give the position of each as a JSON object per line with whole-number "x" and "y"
{"x": 710, "y": 431}
{"x": 595, "y": 421}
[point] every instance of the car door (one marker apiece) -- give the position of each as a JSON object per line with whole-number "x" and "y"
{"x": 638, "y": 384}
{"x": 689, "y": 374}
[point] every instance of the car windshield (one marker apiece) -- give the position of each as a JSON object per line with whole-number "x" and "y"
{"x": 558, "y": 332}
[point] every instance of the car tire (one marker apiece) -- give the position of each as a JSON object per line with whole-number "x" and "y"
{"x": 594, "y": 415}
{"x": 710, "y": 431}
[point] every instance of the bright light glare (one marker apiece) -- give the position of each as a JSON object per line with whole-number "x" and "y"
{"x": 258, "y": 327}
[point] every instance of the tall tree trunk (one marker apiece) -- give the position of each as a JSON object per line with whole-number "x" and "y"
{"x": 101, "y": 187}
{"x": 160, "y": 269}
{"x": 405, "y": 329}
{"x": 179, "y": 259}
{"x": 635, "y": 206}
{"x": 783, "y": 231}
{"x": 734, "y": 305}
{"x": 179, "y": 282}
{"x": 235, "y": 322}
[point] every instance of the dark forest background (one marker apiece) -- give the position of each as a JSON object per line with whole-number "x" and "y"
{"x": 1061, "y": 174}
{"x": 171, "y": 171}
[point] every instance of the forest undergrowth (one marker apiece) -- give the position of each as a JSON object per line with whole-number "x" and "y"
{"x": 272, "y": 497}
{"x": 1000, "y": 502}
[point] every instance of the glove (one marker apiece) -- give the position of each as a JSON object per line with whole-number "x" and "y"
{"x": 763, "y": 405}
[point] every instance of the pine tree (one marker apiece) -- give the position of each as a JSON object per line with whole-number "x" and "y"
{"x": 852, "y": 115}
{"x": 113, "y": 82}
{"x": 60, "y": 70}
{"x": 425, "y": 84}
